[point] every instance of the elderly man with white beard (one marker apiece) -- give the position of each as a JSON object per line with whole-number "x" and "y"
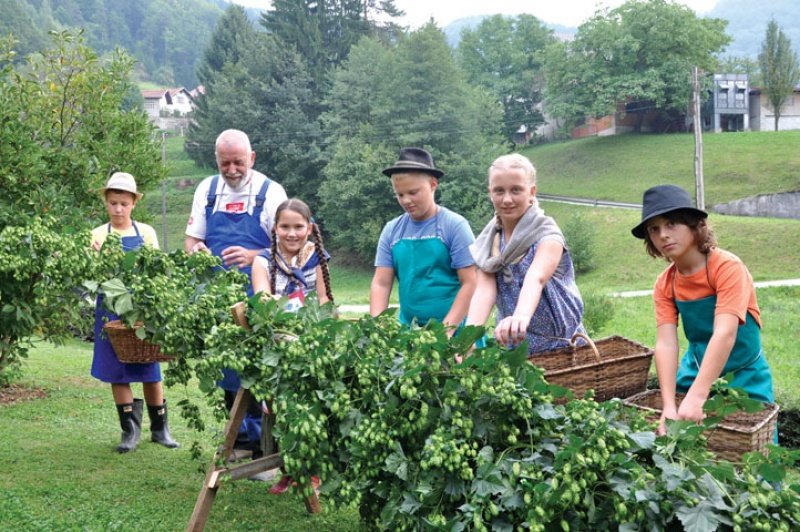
{"x": 232, "y": 217}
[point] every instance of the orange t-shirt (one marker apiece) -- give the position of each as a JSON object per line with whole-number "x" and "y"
{"x": 725, "y": 276}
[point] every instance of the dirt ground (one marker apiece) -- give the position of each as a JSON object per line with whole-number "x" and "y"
{"x": 15, "y": 393}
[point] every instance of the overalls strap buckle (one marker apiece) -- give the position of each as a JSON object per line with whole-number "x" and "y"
{"x": 212, "y": 196}
{"x": 262, "y": 194}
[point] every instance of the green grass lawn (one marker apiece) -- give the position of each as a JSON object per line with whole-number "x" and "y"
{"x": 735, "y": 165}
{"x": 60, "y": 471}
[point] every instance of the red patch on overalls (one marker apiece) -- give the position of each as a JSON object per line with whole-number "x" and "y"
{"x": 234, "y": 207}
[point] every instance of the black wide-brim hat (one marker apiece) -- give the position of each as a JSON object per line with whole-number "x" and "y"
{"x": 414, "y": 160}
{"x": 660, "y": 200}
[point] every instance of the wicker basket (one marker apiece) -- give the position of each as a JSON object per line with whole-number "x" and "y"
{"x": 129, "y": 348}
{"x": 612, "y": 367}
{"x": 735, "y": 435}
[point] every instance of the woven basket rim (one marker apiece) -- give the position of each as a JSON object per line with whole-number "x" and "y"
{"x": 648, "y": 353}
{"x": 770, "y": 410}
{"x": 119, "y": 325}
{"x": 117, "y": 330}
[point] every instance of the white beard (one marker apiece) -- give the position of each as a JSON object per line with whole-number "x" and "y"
{"x": 243, "y": 182}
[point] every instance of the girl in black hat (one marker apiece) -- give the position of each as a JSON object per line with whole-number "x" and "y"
{"x": 713, "y": 292}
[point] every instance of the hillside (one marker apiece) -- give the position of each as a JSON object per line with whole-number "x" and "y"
{"x": 167, "y": 37}
{"x": 736, "y": 165}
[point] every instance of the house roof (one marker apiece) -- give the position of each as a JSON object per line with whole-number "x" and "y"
{"x": 153, "y": 94}
{"x": 168, "y": 94}
{"x": 173, "y": 92}
{"x": 757, "y": 90}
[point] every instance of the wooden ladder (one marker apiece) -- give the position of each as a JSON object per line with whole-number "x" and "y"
{"x": 270, "y": 460}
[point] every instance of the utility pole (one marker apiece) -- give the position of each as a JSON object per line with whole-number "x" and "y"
{"x": 164, "y": 193}
{"x": 698, "y": 140}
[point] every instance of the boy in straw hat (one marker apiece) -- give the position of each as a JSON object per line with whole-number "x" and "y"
{"x": 426, "y": 249}
{"x": 120, "y": 197}
{"x": 713, "y": 292}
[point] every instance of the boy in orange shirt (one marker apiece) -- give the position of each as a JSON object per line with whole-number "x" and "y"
{"x": 713, "y": 291}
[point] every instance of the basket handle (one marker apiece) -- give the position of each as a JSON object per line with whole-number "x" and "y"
{"x": 589, "y": 341}
{"x": 239, "y": 313}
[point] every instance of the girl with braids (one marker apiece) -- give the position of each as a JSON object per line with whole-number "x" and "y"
{"x": 297, "y": 264}
{"x": 524, "y": 266}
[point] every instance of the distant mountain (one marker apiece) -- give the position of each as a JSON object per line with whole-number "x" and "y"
{"x": 747, "y": 23}
{"x": 167, "y": 37}
{"x": 453, "y": 30}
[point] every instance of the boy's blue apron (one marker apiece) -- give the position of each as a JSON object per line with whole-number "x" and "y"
{"x": 226, "y": 229}
{"x": 428, "y": 284}
{"x": 746, "y": 360}
{"x": 105, "y": 364}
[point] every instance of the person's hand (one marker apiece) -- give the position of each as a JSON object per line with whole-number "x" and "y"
{"x": 199, "y": 247}
{"x": 668, "y": 413}
{"x": 511, "y": 329}
{"x": 238, "y": 256}
{"x": 692, "y": 408}
{"x": 96, "y": 245}
{"x": 459, "y": 359}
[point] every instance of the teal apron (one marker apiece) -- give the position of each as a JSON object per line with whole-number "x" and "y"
{"x": 746, "y": 361}
{"x": 427, "y": 282}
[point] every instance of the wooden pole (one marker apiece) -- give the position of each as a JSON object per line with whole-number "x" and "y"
{"x": 164, "y": 244}
{"x": 698, "y": 140}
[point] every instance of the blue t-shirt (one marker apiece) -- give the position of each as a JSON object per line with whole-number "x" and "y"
{"x": 451, "y": 228}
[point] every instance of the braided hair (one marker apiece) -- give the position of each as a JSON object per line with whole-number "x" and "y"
{"x": 300, "y": 207}
{"x": 273, "y": 261}
{"x": 326, "y": 274}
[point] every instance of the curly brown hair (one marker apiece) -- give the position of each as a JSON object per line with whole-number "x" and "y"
{"x": 704, "y": 236}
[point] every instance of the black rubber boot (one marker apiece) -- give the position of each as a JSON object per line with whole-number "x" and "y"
{"x": 130, "y": 421}
{"x": 159, "y": 428}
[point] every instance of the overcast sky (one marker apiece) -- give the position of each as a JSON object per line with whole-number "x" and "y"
{"x": 566, "y": 12}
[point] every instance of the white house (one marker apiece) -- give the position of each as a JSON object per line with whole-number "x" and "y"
{"x": 762, "y": 117}
{"x": 167, "y": 102}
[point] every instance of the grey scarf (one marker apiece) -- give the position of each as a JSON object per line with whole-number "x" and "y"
{"x": 532, "y": 227}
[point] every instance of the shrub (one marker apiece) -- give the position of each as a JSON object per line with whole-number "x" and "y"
{"x": 598, "y": 310}
{"x": 580, "y": 233}
{"x": 64, "y": 131}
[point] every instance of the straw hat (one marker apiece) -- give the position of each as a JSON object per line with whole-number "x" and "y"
{"x": 123, "y": 182}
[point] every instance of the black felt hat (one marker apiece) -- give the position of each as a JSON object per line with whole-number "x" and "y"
{"x": 414, "y": 160}
{"x": 662, "y": 199}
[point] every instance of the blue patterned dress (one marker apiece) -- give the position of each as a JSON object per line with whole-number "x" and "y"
{"x": 560, "y": 309}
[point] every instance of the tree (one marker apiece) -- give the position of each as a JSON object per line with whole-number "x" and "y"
{"x": 639, "y": 54}
{"x": 779, "y": 68}
{"x": 64, "y": 131}
{"x": 20, "y": 22}
{"x": 232, "y": 39}
{"x": 503, "y": 55}
{"x": 742, "y": 65}
{"x": 323, "y": 31}
{"x": 266, "y": 94}
{"x": 384, "y": 98}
